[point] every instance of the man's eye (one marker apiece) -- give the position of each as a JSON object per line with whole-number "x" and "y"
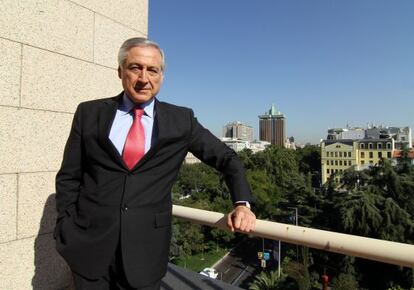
{"x": 153, "y": 71}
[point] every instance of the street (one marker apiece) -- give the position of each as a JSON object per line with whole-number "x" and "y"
{"x": 241, "y": 265}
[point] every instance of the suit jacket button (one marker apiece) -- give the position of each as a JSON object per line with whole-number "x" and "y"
{"x": 125, "y": 208}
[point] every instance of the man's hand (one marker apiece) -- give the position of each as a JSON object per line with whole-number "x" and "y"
{"x": 242, "y": 219}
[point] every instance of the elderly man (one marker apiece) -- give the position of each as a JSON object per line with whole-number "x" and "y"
{"x": 113, "y": 191}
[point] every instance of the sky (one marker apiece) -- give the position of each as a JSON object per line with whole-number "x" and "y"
{"x": 323, "y": 63}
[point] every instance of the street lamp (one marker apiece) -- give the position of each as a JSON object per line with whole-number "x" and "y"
{"x": 296, "y": 223}
{"x": 296, "y": 214}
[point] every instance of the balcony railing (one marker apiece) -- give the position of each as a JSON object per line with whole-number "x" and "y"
{"x": 368, "y": 248}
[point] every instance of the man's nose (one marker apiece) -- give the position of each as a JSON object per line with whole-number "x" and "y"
{"x": 143, "y": 75}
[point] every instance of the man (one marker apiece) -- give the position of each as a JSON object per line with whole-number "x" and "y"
{"x": 113, "y": 191}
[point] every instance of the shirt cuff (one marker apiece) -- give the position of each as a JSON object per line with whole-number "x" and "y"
{"x": 242, "y": 202}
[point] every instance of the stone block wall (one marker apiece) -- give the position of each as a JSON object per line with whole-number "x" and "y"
{"x": 53, "y": 55}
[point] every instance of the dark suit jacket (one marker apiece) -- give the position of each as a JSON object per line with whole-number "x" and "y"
{"x": 101, "y": 203}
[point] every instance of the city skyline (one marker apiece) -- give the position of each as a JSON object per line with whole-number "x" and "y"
{"x": 323, "y": 64}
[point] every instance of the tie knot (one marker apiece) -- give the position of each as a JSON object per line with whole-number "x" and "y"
{"x": 138, "y": 112}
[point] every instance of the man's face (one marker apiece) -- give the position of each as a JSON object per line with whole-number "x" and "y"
{"x": 141, "y": 73}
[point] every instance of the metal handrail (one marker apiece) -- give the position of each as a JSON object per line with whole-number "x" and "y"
{"x": 368, "y": 248}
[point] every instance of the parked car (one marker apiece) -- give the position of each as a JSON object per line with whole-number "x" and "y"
{"x": 209, "y": 272}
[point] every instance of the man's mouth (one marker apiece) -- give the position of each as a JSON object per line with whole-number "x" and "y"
{"x": 142, "y": 89}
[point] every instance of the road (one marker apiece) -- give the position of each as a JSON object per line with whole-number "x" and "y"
{"x": 241, "y": 265}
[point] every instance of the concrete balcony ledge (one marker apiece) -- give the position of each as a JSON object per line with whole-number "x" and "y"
{"x": 183, "y": 279}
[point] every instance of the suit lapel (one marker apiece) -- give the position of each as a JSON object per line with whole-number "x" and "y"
{"x": 105, "y": 119}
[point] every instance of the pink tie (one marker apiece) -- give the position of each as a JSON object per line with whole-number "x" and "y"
{"x": 134, "y": 147}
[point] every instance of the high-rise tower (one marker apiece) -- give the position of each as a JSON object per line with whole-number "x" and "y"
{"x": 272, "y": 127}
{"x": 238, "y": 130}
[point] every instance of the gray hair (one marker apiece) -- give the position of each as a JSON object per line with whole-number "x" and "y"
{"x": 138, "y": 41}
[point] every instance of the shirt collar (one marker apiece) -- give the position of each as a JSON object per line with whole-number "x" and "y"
{"x": 127, "y": 105}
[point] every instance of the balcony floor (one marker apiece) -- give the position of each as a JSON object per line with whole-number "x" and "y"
{"x": 178, "y": 278}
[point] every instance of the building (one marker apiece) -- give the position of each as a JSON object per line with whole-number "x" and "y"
{"x": 371, "y": 151}
{"x": 272, "y": 127}
{"x": 39, "y": 40}
{"x": 345, "y": 133}
{"x": 361, "y": 148}
{"x": 236, "y": 144}
{"x": 239, "y": 145}
{"x": 238, "y": 130}
{"x": 401, "y": 135}
{"x": 290, "y": 143}
{"x": 336, "y": 156}
{"x": 397, "y": 154}
{"x": 257, "y": 146}
{"x": 339, "y": 155}
{"x": 191, "y": 159}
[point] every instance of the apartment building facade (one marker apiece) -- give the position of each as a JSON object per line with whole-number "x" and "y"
{"x": 339, "y": 155}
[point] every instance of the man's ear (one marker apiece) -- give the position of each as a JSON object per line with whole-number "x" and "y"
{"x": 119, "y": 72}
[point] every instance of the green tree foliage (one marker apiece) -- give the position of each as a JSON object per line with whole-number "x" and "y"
{"x": 377, "y": 202}
{"x": 267, "y": 281}
{"x": 267, "y": 195}
{"x": 374, "y": 204}
{"x": 404, "y": 161}
{"x": 309, "y": 158}
{"x": 344, "y": 282}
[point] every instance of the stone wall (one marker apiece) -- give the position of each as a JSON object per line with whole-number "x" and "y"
{"x": 53, "y": 55}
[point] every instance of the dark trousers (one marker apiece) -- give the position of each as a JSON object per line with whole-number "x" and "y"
{"x": 114, "y": 279}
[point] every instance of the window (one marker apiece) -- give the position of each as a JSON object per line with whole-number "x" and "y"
{"x": 379, "y": 154}
{"x": 340, "y": 162}
{"x": 388, "y": 154}
{"x": 336, "y": 154}
{"x": 336, "y": 162}
{"x": 349, "y": 154}
{"x": 340, "y": 154}
{"x": 371, "y": 154}
{"x": 371, "y": 162}
{"x": 327, "y": 171}
{"x": 332, "y": 155}
{"x": 362, "y": 146}
{"x": 379, "y": 145}
{"x": 349, "y": 162}
{"x": 388, "y": 145}
{"x": 362, "y": 162}
{"x": 370, "y": 146}
{"x": 362, "y": 154}
{"x": 327, "y": 154}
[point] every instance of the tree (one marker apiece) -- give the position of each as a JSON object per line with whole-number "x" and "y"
{"x": 267, "y": 195}
{"x": 344, "y": 282}
{"x": 309, "y": 160}
{"x": 267, "y": 281}
{"x": 299, "y": 271}
{"x": 404, "y": 161}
